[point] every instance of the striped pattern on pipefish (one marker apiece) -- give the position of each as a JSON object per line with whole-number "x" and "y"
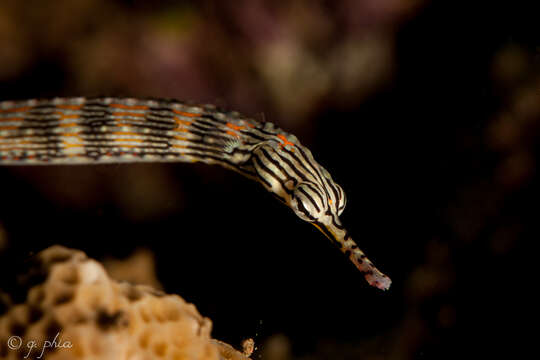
{"x": 111, "y": 130}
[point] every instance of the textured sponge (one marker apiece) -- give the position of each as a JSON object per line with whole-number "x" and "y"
{"x": 69, "y": 308}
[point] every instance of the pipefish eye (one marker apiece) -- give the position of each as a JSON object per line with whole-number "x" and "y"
{"x": 307, "y": 202}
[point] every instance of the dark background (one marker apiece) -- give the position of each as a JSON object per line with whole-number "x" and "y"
{"x": 427, "y": 114}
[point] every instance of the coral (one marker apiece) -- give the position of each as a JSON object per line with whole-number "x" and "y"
{"x": 72, "y": 309}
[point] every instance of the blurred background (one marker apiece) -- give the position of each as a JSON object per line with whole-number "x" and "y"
{"x": 427, "y": 113}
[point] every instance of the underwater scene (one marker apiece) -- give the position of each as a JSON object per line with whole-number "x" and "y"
{"x": 161, "y": 163}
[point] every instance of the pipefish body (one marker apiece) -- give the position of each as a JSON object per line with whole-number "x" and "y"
{"x": 101, "y": 130}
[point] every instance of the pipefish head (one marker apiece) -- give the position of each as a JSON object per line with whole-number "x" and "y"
{"x": 321, "y": 203}
{"x": 293, "y": 176}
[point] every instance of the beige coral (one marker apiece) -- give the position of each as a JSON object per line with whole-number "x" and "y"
{"x": 73, "y": 310}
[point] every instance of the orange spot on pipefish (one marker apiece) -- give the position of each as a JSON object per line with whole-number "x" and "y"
{"x": 19, "y": 109}
{"x": 232, "y": 134}
{"x": 66, "y": 116}
{"x": 183, "y": 113}
{"x": 128, "y": 114}
{"x": 285, "y": 141}
{"x": 235, "y": 127}
{"x": 182, "y": 122}
{"x": 125, "y": 133}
